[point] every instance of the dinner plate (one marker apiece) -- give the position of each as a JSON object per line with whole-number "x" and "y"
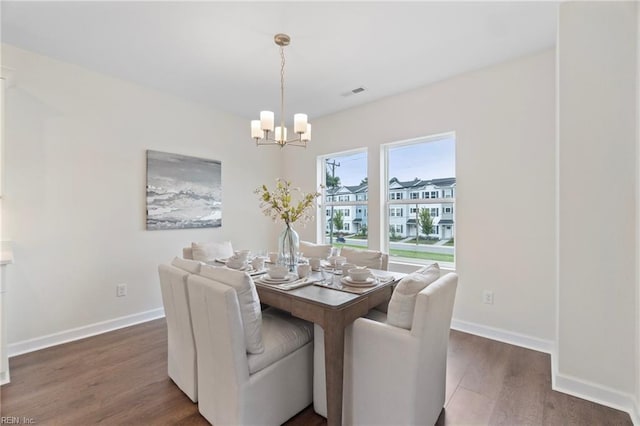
{"x": 267, "y": 279}
{"x": 369, "y": 282}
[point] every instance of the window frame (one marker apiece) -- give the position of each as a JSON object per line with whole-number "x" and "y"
{"x": 387, "y": 202}
{"x": 324, "y": 204}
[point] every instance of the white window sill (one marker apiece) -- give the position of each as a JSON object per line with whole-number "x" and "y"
{"x": 409, "y": 266}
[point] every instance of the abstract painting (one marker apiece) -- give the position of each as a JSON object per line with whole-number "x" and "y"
{"x": 183, "y": 192}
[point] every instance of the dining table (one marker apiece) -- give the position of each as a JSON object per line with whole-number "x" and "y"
{"x": 332, "y": 305}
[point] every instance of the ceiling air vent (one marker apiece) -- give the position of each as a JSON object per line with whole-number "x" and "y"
{"x": 354, "y": 91}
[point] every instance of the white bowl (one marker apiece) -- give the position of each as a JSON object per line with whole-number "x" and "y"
{"x": 278, "y": 272}
{"x": 359, "y": 274}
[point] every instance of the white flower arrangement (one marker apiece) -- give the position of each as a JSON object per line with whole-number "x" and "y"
{"x": 279, "y": 204}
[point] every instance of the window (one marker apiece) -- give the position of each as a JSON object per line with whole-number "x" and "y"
{"x": 396, "y": 228}
{"x": 345, "y": 180}
{"x": 396, "y": 211}
{"x": 417, "y": 214}
{"x": 424, "y": 169}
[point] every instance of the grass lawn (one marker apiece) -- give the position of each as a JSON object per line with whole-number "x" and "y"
{"x": 450, "y": 243}
{"x": 340, "y": 245}
{"x": 441, "y": 257}
{"x": 409, "y": 254}
{"x": 422, "y": 241}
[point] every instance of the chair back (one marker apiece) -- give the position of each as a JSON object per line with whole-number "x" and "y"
{"x": 181, "y": 351}
{"x": 219, "y": 336}
{"x": 431, "y": 326}
{"x": 310, "y": 249}
{"x": 374, "y": 259}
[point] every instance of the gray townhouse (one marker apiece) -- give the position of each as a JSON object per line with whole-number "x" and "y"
{"x": 405, "y": 200}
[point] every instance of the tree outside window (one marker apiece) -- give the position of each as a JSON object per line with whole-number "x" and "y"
{"x": 338, "y": 219}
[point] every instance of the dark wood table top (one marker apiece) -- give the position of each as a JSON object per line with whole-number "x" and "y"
{"x": 331, "y": 297}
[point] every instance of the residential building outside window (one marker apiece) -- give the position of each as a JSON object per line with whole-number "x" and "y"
{"x": 345, "y": 201}
{"x": 421, "y": 180}
{"x": 419, "y": 198}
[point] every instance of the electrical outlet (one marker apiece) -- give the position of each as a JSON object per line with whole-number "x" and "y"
{"x": 121, "y": 290}
{"x": 487, "y": 297}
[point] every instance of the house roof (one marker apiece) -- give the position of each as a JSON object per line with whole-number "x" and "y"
{"x": 394, "y": 183}
{"x": 422, "y": 183}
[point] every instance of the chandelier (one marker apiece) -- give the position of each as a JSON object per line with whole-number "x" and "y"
{"x": 263, "y": 130}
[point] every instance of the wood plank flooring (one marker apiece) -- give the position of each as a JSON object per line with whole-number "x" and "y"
{"x": 120, "y": 378}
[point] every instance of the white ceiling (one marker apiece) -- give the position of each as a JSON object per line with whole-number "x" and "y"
{"x": 222, "y": 53}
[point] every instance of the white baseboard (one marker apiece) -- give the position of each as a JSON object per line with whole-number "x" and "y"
{"x": 561, "y": 383}
{"x": 4, "y": 378}
{"x": 82, "y": 332}
{"x": 505, "y": 336}
{"x": 599, "y": 394}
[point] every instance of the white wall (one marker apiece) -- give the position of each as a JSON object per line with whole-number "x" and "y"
{"x": 504, "y": 119}
{"x": 75, "y": 191}
{"x": 637, "y": 276}
{"x": 597, "y": 47}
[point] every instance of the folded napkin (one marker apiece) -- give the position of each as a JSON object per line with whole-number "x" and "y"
{"x": 293, "y": 284}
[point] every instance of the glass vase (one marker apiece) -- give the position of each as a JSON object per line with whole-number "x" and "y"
{"x": 288, "y": 248}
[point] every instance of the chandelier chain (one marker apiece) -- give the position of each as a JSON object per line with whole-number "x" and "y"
{"x": 282, "y": 89}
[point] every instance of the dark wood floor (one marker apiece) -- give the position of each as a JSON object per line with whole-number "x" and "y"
{"x": 120, "y": 378}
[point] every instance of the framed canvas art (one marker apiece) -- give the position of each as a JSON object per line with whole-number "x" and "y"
{"x": 183, "y": 192}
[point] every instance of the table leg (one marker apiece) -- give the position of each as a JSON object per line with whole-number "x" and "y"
{"x": 334, "y": 364}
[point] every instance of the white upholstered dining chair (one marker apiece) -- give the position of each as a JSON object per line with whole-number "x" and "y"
{"x": 254, "y": 367}
{"x": 181, "y": 350}
{"x": 208, "y": 251}
{"x": 310, "y": 249}
{"x": 394, "y": 375}
{"x": 373, "y": 259}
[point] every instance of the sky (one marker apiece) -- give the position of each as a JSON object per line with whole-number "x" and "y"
{"x": 430, "y": 160}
